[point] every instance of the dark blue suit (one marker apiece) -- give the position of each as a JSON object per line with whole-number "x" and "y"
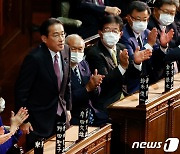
{"x": 89, "y": 13}
{"x": 150, "y": 67}
{"x": 173, "y": 53}
{"x": 80, "y": 97}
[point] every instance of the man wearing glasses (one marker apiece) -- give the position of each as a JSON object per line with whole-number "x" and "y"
{"x": 162, "y": 18}
{"x": 136, "y": 35}
{"x": 43, "y": 86}
{"x": 111, "y": 59}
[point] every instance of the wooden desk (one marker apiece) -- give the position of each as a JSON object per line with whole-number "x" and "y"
{"x": 154, "y": 122}
{"x": 97, "y": 142}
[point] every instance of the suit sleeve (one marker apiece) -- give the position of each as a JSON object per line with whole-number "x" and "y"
{"x": 88, "y": 5}
{"x": 96, "y": 61}
{"x": 129, "y": 46}
{"x": 80, "y": 95}
{"x": 173, "y": 54}
{"x": 24, "y": 83}
{"x": 67, "y": 95}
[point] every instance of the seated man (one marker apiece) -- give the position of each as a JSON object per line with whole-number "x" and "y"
{"x": 9, "y": 137}
{"x": 108, "y": 58}
{"x": 162, "y": 18}
{"x": 135, "y": 33}
{"x": 84, "y": 86}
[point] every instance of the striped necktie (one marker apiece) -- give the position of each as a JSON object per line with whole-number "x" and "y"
{"x": 77, "y": 74}
{"x": 113, "y": 55}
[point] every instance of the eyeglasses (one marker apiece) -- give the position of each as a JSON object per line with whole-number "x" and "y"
{"x": 57, "y": 35}
{"x": 137, "y": 19}
{"x": 168, "y": 12}
{"x": 107, "y": 29}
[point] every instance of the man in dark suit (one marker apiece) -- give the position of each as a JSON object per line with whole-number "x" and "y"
{"x": 111, "y": 59}
{"x": 135, "y": 33}
{"x": 85, "y": 86}
{"x": 90, "y": 12}
{"x": 162, "y": 18}
{"x": 43, "y": 86}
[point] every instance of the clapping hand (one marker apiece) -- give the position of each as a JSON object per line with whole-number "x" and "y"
{"x": 165, "y": 38}
{"x": 18, "y": 119}
{"x": 124, "y": 59}
{"x": 140, "y": 56}
{"x": 152, "y": 37}
{"x": 94, "y": 81}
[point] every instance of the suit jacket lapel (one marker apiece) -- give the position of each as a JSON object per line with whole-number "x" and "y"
{"x": 132, "y": 36}
{"x": 49, "y": 64}
{"x": 106, "y": 55}
{"x": 65, "y": 65}
{"x": 82, "y": 73}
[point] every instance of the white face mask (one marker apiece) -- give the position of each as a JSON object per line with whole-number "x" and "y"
{"x": 2, "y": 104}
{"x": 77, "y": 57}
{"x": 110, "y": 38}
{"x": 166, "y": 19}
{"x": 139, "y": 26}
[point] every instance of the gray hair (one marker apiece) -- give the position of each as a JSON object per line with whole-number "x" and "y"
{"x": 73, "y": 36}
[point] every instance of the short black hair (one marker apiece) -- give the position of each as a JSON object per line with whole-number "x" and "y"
{"x": 44, "y": 28}
{"x": 159, "y": 3}
{"x": 139, "y": 6}
{"x": 111, "y": 19}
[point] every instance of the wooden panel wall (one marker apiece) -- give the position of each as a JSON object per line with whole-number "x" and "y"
{"x": 1, "y": 17}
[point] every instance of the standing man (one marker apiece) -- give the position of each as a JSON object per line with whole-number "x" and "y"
{"x": 84, "y": 85}
{"x": 43, "y": 86}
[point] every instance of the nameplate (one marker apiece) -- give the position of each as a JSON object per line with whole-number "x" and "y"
{"x": 83, "y": 123}
{"x": 169, "y": 77}
{"x": 39, "y": 146}
{"x": 143, "y": 90}
{"x": 60, "y": 137}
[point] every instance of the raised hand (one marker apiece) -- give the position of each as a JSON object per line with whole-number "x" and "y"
{"x": 165, "y": 38}
{"x": 152, "y": 37}
{"x": 94, "y": 81}
{"x": 140, "y": 56}
{"x": 124, "y": 58}
{"x": 18, "y": 119}
{"x": 113, "y": 10}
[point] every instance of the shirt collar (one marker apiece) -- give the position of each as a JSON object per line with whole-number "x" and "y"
{"x": 111, "y": 50}
{"x": 136, "y": 35}
{"x": 162, "y": 27}
{"x": 53, "y": 53}
{"x": 75, "y": 66}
